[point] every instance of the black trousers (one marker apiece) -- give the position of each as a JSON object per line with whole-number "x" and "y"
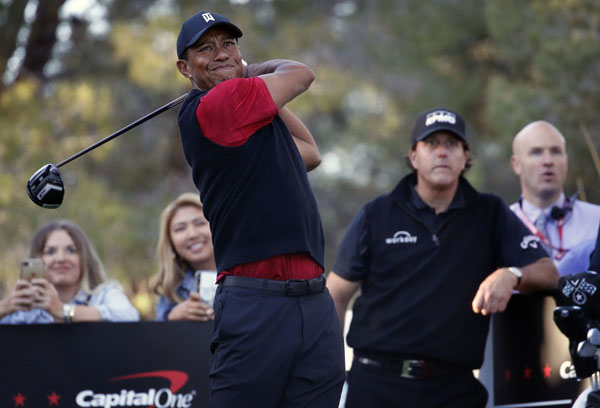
{"x": 376, "y": 387}
{"x": 275, "y": 351}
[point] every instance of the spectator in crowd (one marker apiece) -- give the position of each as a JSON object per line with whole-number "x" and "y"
{"x": 434, "y": 259}
{"x": 184, "y": 248}
{"x": 276, "y": 340}
{"x": 74, "y": 287}
{"x": 566, "y": 226}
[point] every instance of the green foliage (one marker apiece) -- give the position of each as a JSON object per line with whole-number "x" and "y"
{"x": 547, "y": 55}
{"x": 378, "y": 63}
{"x": 145, "y": 49}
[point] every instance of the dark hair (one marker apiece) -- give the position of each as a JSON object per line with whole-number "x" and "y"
{"x": 465, "y": 146}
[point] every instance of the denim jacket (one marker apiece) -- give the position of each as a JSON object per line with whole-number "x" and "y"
{"x": 187, "y": 285}
{"x": 108, "y": 298}
{"x": 165, "y": 305}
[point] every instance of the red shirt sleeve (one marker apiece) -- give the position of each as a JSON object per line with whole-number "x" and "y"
{"x": 234, "y": 110}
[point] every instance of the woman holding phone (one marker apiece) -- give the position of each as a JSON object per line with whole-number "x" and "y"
{"x": 185, "y": 257}
{"x": 74, "y": 286}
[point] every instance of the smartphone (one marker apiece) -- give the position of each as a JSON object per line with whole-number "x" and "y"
{"x": 206, "y": 286}
{"x": 32, "y": 268}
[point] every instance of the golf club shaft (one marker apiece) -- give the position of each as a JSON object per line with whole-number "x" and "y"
{"x": 160, "y": 110}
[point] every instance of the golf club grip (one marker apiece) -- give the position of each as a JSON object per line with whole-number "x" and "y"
{"x": 158, "y": 111}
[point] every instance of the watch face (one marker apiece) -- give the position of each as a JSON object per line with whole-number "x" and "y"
{"x": 516, "y": 271}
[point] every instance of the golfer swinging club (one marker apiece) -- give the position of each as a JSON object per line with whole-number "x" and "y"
{"x": 277, "y": 341}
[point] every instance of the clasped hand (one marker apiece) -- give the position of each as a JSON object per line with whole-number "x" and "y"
{"x": 39, "y": 293}
{"x": 193, "y": 308}
{"x": 494, "y": 292}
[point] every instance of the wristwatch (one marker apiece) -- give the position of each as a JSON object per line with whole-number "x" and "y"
{"x": 517, "y": 272}
{"x": 68, "y": 312}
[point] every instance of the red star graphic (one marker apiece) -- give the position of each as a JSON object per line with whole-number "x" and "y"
{"x": 547, "y": 370}
{"x": 19, "y": 400}
{"x": 53, "y": 398}
{"x": 507, "y": 375}
{"x": 527, "y": 373}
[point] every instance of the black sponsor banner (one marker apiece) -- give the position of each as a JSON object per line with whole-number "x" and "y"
{"x": 529, "y": 359}
{"x": 109, "y": 365}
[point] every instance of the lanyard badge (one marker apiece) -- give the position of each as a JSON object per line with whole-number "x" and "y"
{"x": 560, "y": 251}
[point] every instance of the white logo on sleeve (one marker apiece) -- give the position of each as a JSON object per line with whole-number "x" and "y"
{"x": 440, "y": 116}
{"x": 208, "y": 17}
{"x": 401, "y": 237}
{"x": 530, "y": 241}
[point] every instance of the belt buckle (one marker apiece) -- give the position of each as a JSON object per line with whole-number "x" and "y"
{"x": 296, "y": 287}
{"x": 412, "y": 369}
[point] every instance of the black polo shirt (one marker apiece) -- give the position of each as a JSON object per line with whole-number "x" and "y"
{"x": 256, "y": 196}
{"x": 427, "y": 214}
{"x": 420, "y": 271}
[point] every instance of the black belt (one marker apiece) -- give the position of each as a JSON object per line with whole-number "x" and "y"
{"x": 292, "y": 287}
{"x": 415, "y": 369}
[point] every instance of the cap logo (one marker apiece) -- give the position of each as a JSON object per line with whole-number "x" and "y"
{"x": 440, "y": 116}
{"x": 208, "y": 17}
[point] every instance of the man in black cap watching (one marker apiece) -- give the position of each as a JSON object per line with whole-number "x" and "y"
{"x": 277, "y": 341}
{"x": 434, "y": 258}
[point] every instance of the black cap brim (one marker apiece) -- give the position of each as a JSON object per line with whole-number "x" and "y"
{"x": 441, "y": 129}
{"x": 237, "y": 33}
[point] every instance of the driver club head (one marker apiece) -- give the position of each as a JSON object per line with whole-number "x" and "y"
{"x": 45, "y": 187}
{"x": 594, "y": 336}
{"x": 586, "y": 349}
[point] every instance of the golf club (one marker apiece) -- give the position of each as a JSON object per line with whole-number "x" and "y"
{"x": 46, "y": 188}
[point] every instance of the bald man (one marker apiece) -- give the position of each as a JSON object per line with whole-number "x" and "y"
{"x": 566, "y": 226}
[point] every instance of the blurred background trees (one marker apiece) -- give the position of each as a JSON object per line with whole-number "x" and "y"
{"x": 75, "y": 71}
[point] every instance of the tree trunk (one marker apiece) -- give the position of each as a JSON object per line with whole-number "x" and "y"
{"x": 13, "y": 22}
{"x": 41, "y": 39}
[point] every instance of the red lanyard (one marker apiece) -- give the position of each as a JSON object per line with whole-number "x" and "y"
{"x": 561, "y": 251}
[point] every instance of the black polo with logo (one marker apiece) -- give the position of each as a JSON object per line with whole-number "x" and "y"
{"x": 420, "y": 272}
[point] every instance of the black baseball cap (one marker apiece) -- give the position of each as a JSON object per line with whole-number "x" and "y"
{"x": 435, "y": 120}
{"x": 193, "y": 28}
